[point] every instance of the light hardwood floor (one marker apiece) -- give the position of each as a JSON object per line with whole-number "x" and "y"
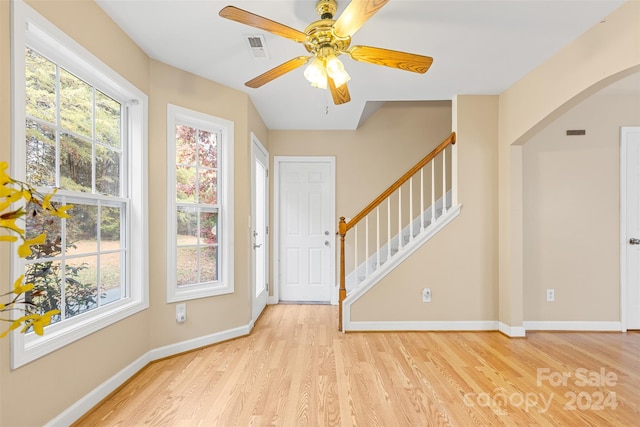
{"x": 295, "y": 369}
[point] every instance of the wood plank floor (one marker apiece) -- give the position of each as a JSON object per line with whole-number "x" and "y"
{"x": 295, "y": 369}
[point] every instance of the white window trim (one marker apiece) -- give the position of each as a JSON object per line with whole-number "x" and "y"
{"x": 225, "y": 284}
{"x": 29, "y": 27}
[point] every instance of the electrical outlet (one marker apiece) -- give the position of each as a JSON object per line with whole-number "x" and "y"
{"x": 181, "y": 313}
{"x": 551, "y": 295}
{"x": 426, "y": 295}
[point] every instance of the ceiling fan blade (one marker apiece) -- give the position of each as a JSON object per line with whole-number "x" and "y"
{"x": 278, "y": 71}
{"x": 391, "y": 58}
{"x": 355, "y": 15}
{"x": 257, "y": 21}
{"x": 340, "y": 94}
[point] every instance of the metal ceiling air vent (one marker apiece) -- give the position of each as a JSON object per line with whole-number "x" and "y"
{"x": 257, "y": 46}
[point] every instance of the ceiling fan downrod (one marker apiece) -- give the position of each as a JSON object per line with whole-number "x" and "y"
{"x": 326, "y": 8}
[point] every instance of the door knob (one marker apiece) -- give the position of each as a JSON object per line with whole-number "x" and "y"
{"x": 256, "y": 246}
{"x": 634, "y": 241}
{"x": 326, "y": 243}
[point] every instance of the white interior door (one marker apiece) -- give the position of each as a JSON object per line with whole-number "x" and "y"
{"x": 630, "y": 149}
{"x": 259, "y": 226}
{"x": 306, "y": 229}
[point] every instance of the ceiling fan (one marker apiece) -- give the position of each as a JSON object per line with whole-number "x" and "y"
{"x": 325, "y": 40}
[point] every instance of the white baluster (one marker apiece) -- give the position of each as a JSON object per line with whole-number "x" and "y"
{"x": 366, "y": 246}
{"x": 355, "y": 255}
{"x": 411, "y": 209}
{"x": 388, "y": 228}
{"x": 377, "y": 237}
{"x": 433, "y": 192}
{"x": 454, "y": 175}
{"x": 444, "y": 181}
{"x": 400, "y": 242}
{"x": 421, "y": 199}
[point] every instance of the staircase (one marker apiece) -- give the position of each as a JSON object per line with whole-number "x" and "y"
{"x": 396, "y": 223}
{"x": 392, "y": 251}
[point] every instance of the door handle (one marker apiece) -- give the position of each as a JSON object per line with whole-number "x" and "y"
{"x": 634, "y": 241}
{"x": 326, "y": 243}
{"x": 256, "y": 246}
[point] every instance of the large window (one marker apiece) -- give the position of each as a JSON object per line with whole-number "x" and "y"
{"x": 81, "y": 128}
{"x": 200, "y": 208}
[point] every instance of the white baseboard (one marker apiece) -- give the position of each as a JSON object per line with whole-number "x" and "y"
{"x": 487, "y": 325}
{"x": 194, "y": 343}
{"x": 599, "y": 326}
{"x": 94, "y": 397}
{"x": 479, "y": 325}
{"x": 84, "y": 405}
{"x": 512, "y": 331}
{"x": 271, "y": 300}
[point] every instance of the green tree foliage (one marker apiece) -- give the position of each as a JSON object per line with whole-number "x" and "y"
{"x": 73, "y": 140}
{"x": 89, "y": 145}
{"x": 46, "y": 276}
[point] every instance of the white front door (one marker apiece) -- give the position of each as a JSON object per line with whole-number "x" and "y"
{"x": 630, "y": 151}
{"x": 306, "y": 228}
{"x": 259, "y": 226}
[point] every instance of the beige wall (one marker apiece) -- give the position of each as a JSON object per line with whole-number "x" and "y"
{"x": 459, "y": 264}
{"x": 5, "y": 154}
{"x": 572, "y": 212}
{"x": 68, "y": 374}
{"x": 83, "y": 20}
{"x": 606, "y": 53}
{"x": 600, "y": 56}
{"x": 257, "y": 126}
{"x": 71, "y": 372}
{"x": 372, "y": 157}
{"x": 464, "y": 283}
{"x": 205, "y": 315}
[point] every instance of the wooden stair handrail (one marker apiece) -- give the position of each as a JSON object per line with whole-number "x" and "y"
{"x": 343, "y": 226}
{"x": 451, "y": 139}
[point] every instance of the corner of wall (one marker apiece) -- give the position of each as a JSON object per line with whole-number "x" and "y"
{"x": 535, "y": 100}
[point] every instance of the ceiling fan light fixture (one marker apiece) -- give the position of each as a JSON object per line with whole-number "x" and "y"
{"x": 335, "y": 70}
{"x": 316, "y": 73}
{"x": 325, "y": 40}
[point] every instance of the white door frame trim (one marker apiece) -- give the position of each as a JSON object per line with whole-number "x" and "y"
{"x": 277, "y": 161}
{"x": 624, "y": 130}
{"x": 256, "y": 144}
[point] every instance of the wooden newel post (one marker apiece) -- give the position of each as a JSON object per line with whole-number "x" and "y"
{"x": 342, "y": 294}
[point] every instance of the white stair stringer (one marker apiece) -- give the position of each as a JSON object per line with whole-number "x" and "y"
{"x": 409, "y": 248}
{"x": 391, "y": 248}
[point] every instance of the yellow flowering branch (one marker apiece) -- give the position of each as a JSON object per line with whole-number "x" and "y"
{"x": 12, "y": 191}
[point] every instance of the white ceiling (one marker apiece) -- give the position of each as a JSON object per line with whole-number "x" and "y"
{"x": 478, "y": 46}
